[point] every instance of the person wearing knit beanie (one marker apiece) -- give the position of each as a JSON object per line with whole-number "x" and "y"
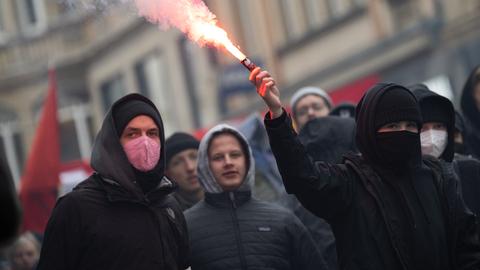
{"x": 390, "y": 207}
{"x": 309, "y": 103}
{"x": 181, "y": 158}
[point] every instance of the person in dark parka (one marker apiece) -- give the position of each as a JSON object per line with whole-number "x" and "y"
{"x": 470, "y": 104}
{"x": 459, "y": 138}
{"x": 10, "y": 206}
{"x": 388, "y": 208}
{"x": 437, "y": 140}
{"x": 122, "y": 216}
{"x": 325, "y": 138}
{"x": 230, "y": 229}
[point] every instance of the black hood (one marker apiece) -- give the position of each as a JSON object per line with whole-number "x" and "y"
{"x": 328, "y": 138}
{"x": 108, "y": 157}
{"x": 469, "y": 108}
{"x": 437, "y": 108}
{"x": 365, "y": 117}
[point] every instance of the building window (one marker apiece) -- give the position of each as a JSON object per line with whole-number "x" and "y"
{"x": 11, "y": 148}
{"x": 291, "y": 19}
{"x": 405, "y": 13}
{"x": 111, "y": 90}
{"x": 188, "y": 60}
{"x": 152, "y": 80}
{"x": 32, "y": 15}
{"x": 315, "y": 12}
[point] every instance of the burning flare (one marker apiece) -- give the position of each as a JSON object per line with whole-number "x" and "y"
{"x": 192, "y": 17}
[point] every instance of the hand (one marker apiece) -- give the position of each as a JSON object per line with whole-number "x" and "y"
{"x": 267, "y": 89}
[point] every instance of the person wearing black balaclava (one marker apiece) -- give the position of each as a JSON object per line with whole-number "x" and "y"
{"x": 470, "y": 104}
{"x": 123, "y": 216}
{"x": 388, "y": 207}
{"x": 437, "y": 140}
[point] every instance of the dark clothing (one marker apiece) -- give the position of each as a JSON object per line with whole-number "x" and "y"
{"x": 380, "y": 224}
{"x": 325, "y": 139}
{"x": 471, "y": 114}
{"x": 318, "y": 228}
{"x": 100, "y": 225}
{"x": 10, "y": 206}
{"x": 468, "y": 170}
{"x": 108, "y": 222}
{"x": 240, "y": 232}
{"x": 185, "y": 202}
{"x": 328, "y": 138}
{"x": 436, "y": 108}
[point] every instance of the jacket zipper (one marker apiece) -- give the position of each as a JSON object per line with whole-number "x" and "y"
{"x": 243, "y": 261}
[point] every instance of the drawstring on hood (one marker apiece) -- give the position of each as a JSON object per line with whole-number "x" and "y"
{"x": 206, "y": 178}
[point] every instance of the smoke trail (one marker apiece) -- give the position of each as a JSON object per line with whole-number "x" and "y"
{"x": 182, "y": 14}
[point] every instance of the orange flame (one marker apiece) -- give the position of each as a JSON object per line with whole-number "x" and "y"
{"x": 215, "y": 35}
{"x": 192, "y": 17}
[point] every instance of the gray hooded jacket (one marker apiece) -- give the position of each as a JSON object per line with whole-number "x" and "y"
{"x": 232, "y": 230}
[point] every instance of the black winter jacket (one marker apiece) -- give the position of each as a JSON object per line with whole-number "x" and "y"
{"x": 471, "y": 114}
{"x": 349, "y": 197}
{"x": 108, "y": 222}
{"x": 231, "y": 230}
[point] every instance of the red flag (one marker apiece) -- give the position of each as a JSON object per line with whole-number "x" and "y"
{"x": 40, "y": 180}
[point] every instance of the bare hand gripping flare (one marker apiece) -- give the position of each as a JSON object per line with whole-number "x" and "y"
{"x": 194, "y": 19}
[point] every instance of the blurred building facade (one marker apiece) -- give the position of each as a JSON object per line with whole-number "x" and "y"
{"x": 343, "y": 46}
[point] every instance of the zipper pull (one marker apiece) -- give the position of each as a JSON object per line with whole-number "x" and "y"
{"x": 232, "y": 198}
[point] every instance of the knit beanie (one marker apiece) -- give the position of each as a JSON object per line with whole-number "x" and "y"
{"x": 310, "y": 90}
{"x": 397, "y": 104}
{"x": 124, "y": 112}
{"x": 178, "y": 142}
{"x": 437, "y": 109}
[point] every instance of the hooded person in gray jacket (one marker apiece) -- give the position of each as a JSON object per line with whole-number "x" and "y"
{"x": 230, "y": 229}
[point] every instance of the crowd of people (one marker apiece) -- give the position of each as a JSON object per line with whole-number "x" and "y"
{"x": 392, "y": 182}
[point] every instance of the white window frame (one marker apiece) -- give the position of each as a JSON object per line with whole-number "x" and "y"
{"x": 7, "y": 131}
{"x": 40, "y": 25}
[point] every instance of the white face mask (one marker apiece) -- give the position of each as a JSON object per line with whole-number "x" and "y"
{"x": 433, "y": 142}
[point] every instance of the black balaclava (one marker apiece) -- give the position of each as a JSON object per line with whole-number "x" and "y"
{"x": 436, "y": 108}
{"x": 122, "y": 114}
{"x": 386, "y": 103}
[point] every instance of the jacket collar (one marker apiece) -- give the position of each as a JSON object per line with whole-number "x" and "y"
{"x": 228, "y": 199}
{"x": 116, "y": 192}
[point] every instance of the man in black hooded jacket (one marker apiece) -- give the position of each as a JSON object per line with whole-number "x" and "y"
{"x": 388, "y": 208}
{"x": 437, "y": 140}
{"x": 470, "y": 104}
{"x": 122, "y": 216}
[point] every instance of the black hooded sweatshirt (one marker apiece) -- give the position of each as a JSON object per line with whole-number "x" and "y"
{"x": 471, "y": 114}
{"x": 436, "y": 108}
{"x": 108, "y": 222}
{"x": 381, "y": 219}
{"x": 325, "y": 139}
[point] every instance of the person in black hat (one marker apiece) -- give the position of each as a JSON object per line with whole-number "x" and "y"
{"x": 346, "y": 110}
{"x": 181, "y": 155}
{"x": 437, "y": 139}
{"x": 388, "y": 207}
{"x": 122, "y": 216}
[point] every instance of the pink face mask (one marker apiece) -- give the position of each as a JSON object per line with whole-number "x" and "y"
{"x": 143, "y": 153}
